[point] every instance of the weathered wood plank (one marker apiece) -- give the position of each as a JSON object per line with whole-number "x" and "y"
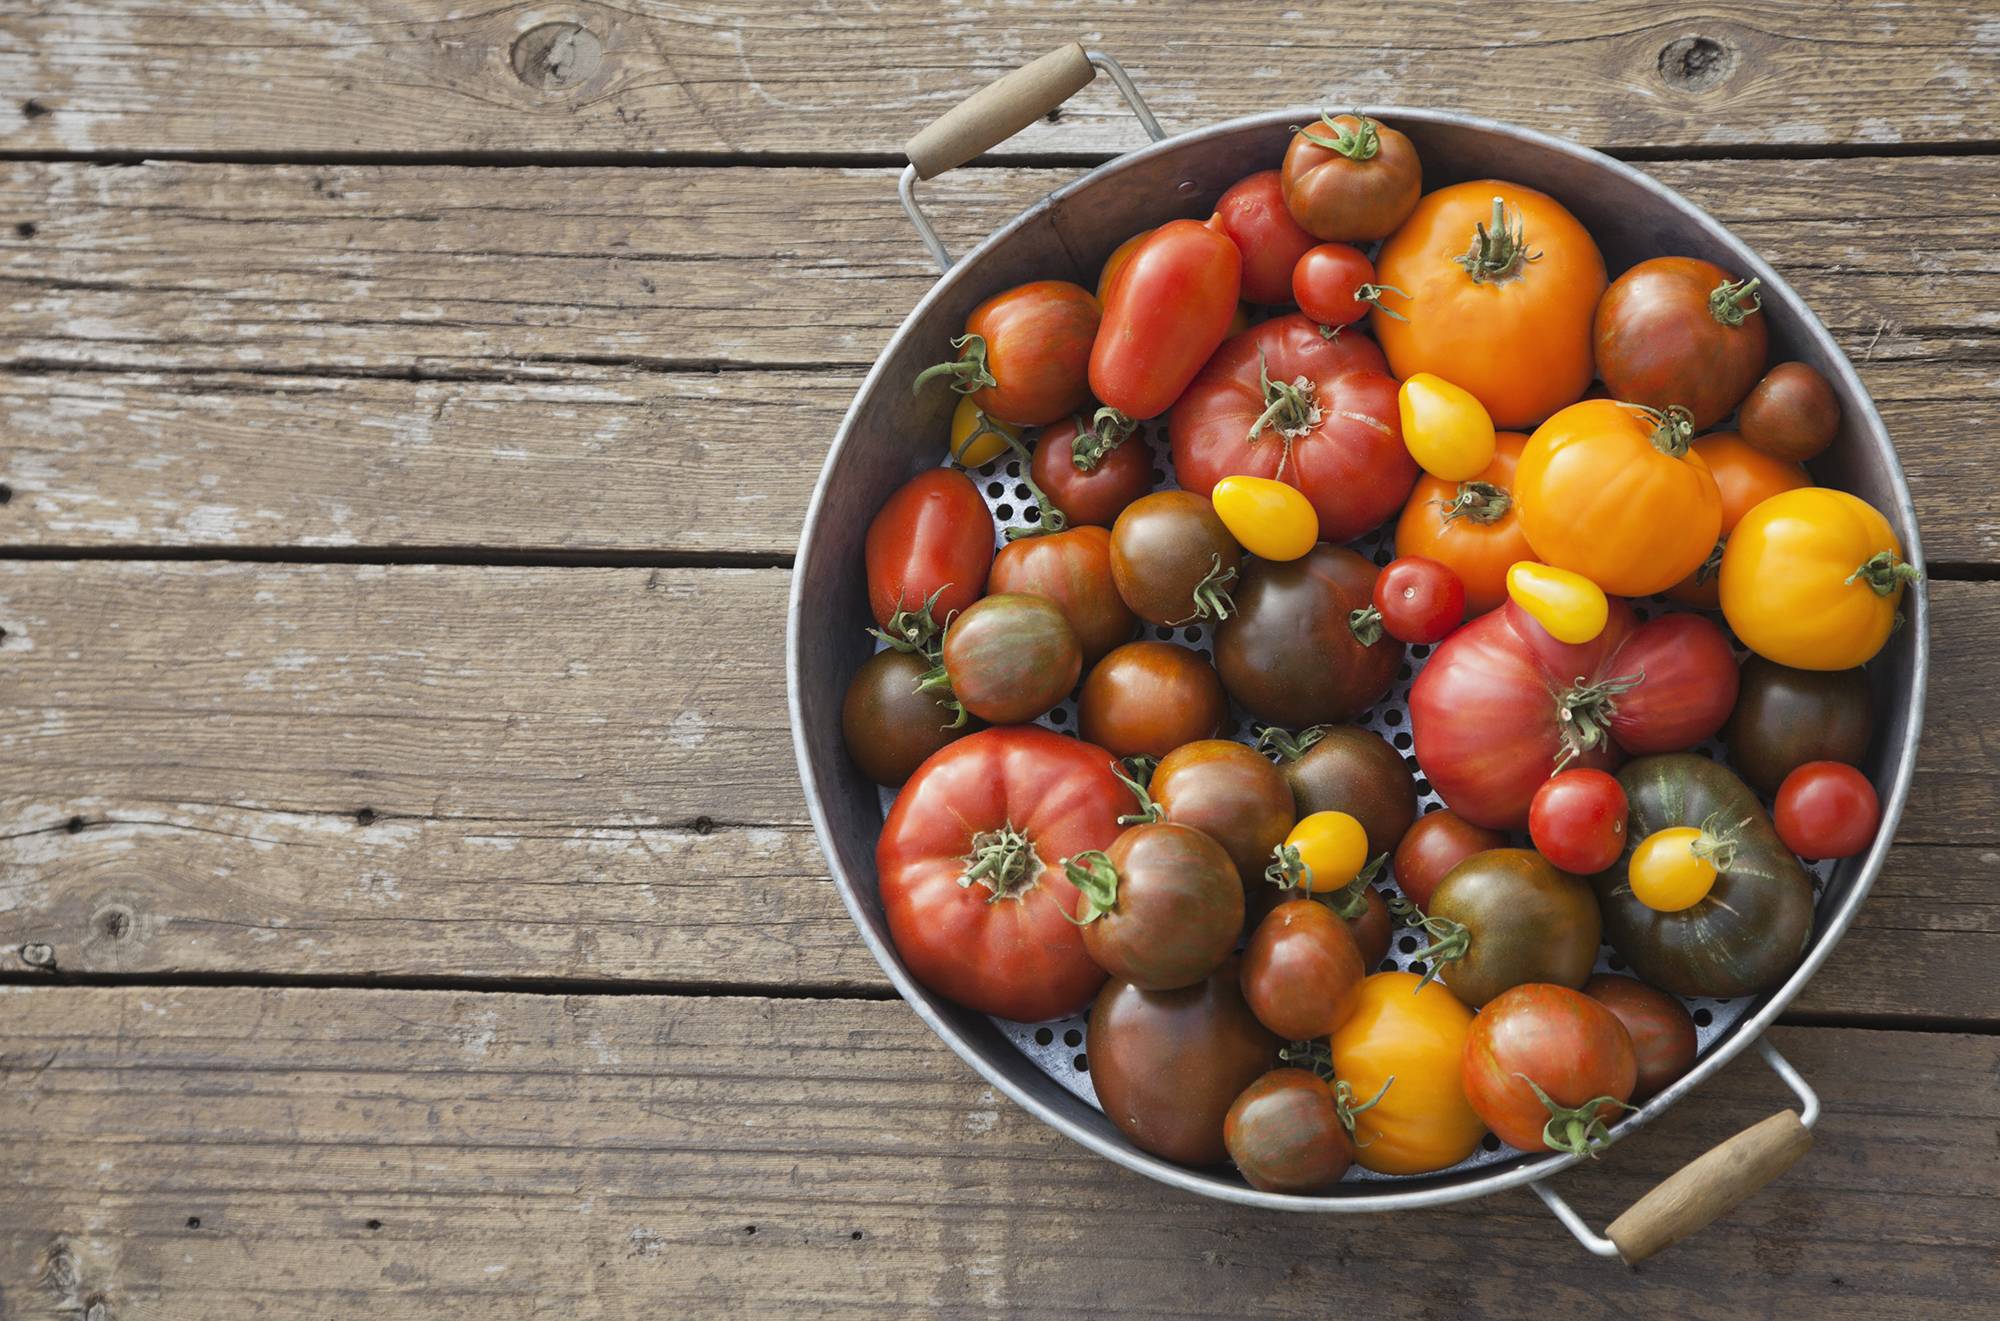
{"x": 578, "y": 774}
{"x": 382, "y": 77}
{"x": 402, "y": 1154}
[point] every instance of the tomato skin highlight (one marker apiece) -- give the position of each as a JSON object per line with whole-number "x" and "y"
{"x": 1253, "y": 214}
{"x": 1827, "y": 810}
{"x": 933, "y": 533}
{"x": 1663, "y": 1035}
{"x": 1164, "y": 314}
{"x": 1577, "y": 821}
{"x": 1417, "y": 1036}
{"x": 1273, "y": 521}
{"x": 1568, "y": 1044}
{"x": 1420, "y": 600}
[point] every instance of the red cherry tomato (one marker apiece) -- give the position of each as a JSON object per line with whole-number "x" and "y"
{"x": 1420, "y": 600}
{"x": 933, "y": 535}
{"x": 1097, "y": 493}
{"x": 1164, "y": 315}
{"x": 1253, "y": 214}
{"x": 1577, "y": 821}
{"x": 1827, "y": 810}
{"x": 1334, "y": 284}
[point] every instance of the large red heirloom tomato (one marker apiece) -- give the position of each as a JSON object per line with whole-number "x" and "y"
{"x": 1282, "y": 400}
{"x": 971, "y": 875}
{"x": 1502, "y": 705}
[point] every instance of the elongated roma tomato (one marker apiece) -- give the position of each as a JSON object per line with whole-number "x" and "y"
{"x": 1024, "y": 353}
{"x": 1272, "y": 520}
{"x": 1254, "y": 216}
{"x": 1415, "y": 1034}
{"x": 1570, "y": 606}
{"x": 1116, "y": 263}
{"x": 1165, "y": 313}
{"x": 1446, "y": 429}
{"x": 933, "y": 536}
{"x": 1812, "y": 579}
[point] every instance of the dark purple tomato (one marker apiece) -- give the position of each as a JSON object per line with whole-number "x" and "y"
{"x": 890, "y": 727}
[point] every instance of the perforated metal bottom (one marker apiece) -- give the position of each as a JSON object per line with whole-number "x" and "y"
{"x": 1060, "y": 1049}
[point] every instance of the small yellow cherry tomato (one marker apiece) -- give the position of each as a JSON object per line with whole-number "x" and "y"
{"x": 1570, "y": 606}
{"x": 1273, "y": 521}
{"x": 976, "y": 439}
{"x": 1324, "y": 852}
{"x": 1448, "y": 432}
{"x": 1666, "y": 874}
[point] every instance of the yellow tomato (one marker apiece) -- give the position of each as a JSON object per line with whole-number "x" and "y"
{"x": 1811, "y": 579}
{"x": 976, "y": 439}
{"x": 1570, "y": 606}
{"x": 1324, "y": 852}
{"x": 1273, "y": 521}
{"x": 1447, "y": 431}
{"x": 1666, "y": 874}
{"x": 1415, "y": 1035}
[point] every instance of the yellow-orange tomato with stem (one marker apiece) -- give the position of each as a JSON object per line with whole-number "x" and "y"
{"x": 1614, "y": 492}
{"x": 1668, "y": 872}
{"x": 1323, "y": 852}
{"x": 1416, "y": 1035}
{"x": 1746, "y": 477}
{"x": 1812, "y": 579}
{"x": 1272, "y": 519}
{"x": 1472, "y": 528}
{"x": 1570, "y": 606}
{"x": 976, "y": 439}
{"x": 1445, "y": 428}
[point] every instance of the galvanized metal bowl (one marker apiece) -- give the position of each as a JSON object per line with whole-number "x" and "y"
{"x": 889, "y": 434}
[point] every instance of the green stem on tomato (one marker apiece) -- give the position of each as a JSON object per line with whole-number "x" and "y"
{"x": 1359, "y": 143}
{"x": 1003, "y": 860}
{"x": 1729, "y": 303}
{"x": 1884, "y": 572}
{"x": 967, "y": 372}
{"x": 1499, "y": 250}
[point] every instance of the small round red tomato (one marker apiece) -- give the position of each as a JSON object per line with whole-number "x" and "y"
{"x": 1436, "y": 843}
{"x": 1148, "y": 698}
{"x": 970, "y": 870}
{"x": 934, "y": 536}
{"x": 1253, "y": 214}
{"x": 1073, "y": 570}
{"x": 1011, "y": 658}
{"x": 1549, "y": 1069}
{"x": 1577, "y": 821}
{"x": 1164, "y": 313}
{"x": 1089, "y": 480}
{"x": 1827, "y": 810}
{"x": 1230, "y": 792}
{"x": 1334, "y": 284}
{"x": 1302, "y": 970}
{"x": 1419, "y": 600}
{"x": 1351, "y": 178}
{"x": 1025, "y": 353}
{"x": 1663, "y": 1035}
{"x": 1173, "y": 560}
{"x": 890, "y": 724}
{"x": 1292, "y": 1132}
{"x": 1161, "y": 907}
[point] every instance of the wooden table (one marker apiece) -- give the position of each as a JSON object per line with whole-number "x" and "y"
{"x": 407, "y": 906}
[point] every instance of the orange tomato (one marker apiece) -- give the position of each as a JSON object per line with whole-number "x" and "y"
{"x": 1415, "y": 1035}
{"x": 1746, "y": 476}
{"x": 1612, "y": 491}
{"x": 1473, "y": 528}
{"x": 1503, "y": 286}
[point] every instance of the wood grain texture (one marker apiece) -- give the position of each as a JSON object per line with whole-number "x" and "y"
{"x": 408, "y": 1154}
{"x": 337, "y": 770}
{"x": 387, "y": 76}
{"x": 568, "y": 325}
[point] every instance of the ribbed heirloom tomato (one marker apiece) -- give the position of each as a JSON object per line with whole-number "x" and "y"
{"x": 970, "y": 869}
{"x": 1025, "y": 352}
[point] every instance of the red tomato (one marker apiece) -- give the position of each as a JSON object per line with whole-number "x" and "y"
{"x": 971, "y": 876}
{"x": 1025, "y": 353}
{"x": 1334, "y": 284}
{"x": 1167, "y": 310}
{"x": 1827, "y": 810}
{"x": 1548, "y": 1068}
{"x": 1253, "y": 214}
{"x": 1437, "y": 842}
{"x": 1653, "y": 687}
{"x": 1072, "y": 569}
{"x": 1577, "y": 821}
{"x": 1097, "y": 493}
{"x": 1338, "y": 437}
{"x": 1420, "y": 600}
{"x": 933, "y": 533}
{"x": 1663, "y": 1035}
{"x": 1302, "y": 970}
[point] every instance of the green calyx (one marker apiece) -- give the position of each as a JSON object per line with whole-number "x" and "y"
{"x": 1711, "y": 566}
{"x": 1048, "y": 518}
{"x": 1729, "y": 303}
{"x": 1288, "y": 405}
{"x": 1360, "y": 143}
{"x": 1718, "y": 841}
{"x": 1096, "y": 879}
{"x": 1275, "y": 740}
{"x": 1350, "y": 901}
{"x": 1108, "y": 429}
{"x": 1366, "y": 625}
{"x": 1884, "y": 572}
{"x": 937, "y": 682}
{"x": 914, "y": 632}
{"x": 1585, "y": 712}
{"x": 1482, "y": 502}
{"x": 1288, "y": 870}
{"x": 1141, "y": 766}
{"x": 1499, "y": 250}
{"x": 1371, "y": 294}
{"x": 1579, "y": 1130}
{"x": 1312, "y": 1056}
{"x": 1149, "y": 811}
{"x": 1345, "y": 1107}
{"x": 1673, "y": 428}
{"x": 967, "y": 372}
{"x": 1003, "y": 861}
{"x": 1450, "y": 941}
{"x": 1211, "y": 595}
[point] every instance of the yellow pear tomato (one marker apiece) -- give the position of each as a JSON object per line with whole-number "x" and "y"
{"x": 1570, "y": 606}
{"x": 1447, "y": 431}
{"x": 976, "y": 439}
{"x": 1812, "y": 578}
{"x": 1325, "y": 851}
{"x": 1271, "y": 520}
{"x": 1414, "y": 1034}
{"x": 1668, "y": 872}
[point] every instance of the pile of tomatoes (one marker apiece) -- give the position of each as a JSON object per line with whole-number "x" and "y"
{"x": 1545, "y": 444}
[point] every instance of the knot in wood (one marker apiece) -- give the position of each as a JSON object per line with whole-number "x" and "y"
{"x": 38, "y": 955}
{"x": 556, "y": 57}
{"x": 1696, "y": 64}
{"x": 113, "y": 921}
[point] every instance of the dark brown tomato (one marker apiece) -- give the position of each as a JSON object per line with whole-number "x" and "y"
{"x": 1011, "y": 658}
{"x": 1148, "y": 698}
{"x": 1679, "y": 330}
{"x": 1663, "y": 1035}
{"x": 1351, "y": 179}
{"x": 1792, "y": 413}
{"x": 1096, "y": 494}
{"x": 1362, "y": 907}
{"x": 1289, "y": 655}
{"x": 1354, "y": 770}
{"x": 1302, "y": 971}
{"x": 1232, "y": 794}
{"x": 1519, "y": 920}
{"x": 1072, "y": 569}
{"x": 891, "y": 727}
{"x": 1161, "y": 907}
{"x": 1785, "y": 718}
{"x": 1286, "y": 1135}
{"x": 1438, "y": 842}
{"x": 1167, "y": 1065}
{"x": 1372, "y": 927}
{"x": 1173, "y": 560}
